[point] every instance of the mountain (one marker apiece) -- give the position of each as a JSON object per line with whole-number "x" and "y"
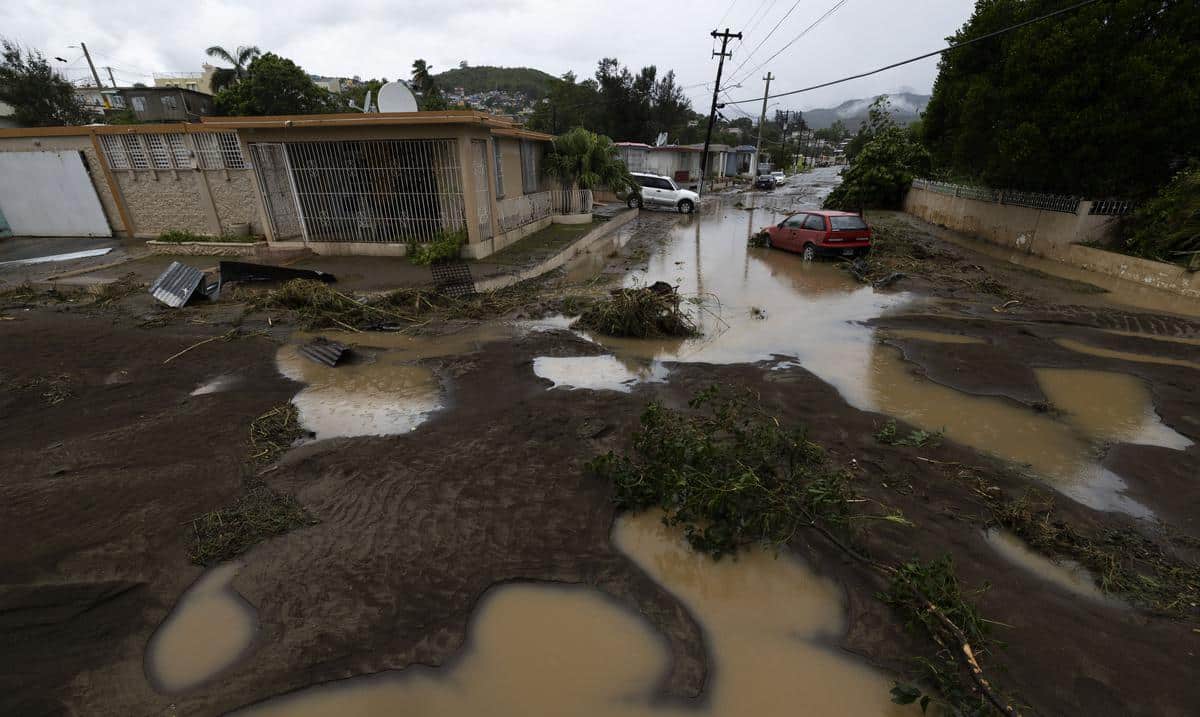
{"x": 906, "y": 106}
{"x": 532, "y": 83}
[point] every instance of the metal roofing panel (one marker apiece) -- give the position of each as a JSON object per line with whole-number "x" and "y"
{"x": 176, "y": 285}
{"x": 323, "y": 351}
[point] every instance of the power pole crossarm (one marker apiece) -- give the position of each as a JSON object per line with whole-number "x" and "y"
{"x": 725, "y": 36}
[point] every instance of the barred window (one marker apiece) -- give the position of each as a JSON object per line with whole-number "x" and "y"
{"x": 499, "y": 168}
{"x": 160, "y": 156}
{"x": 529, "y": 167}
{"x": 231, "y": 151}
{"x": 220, "y": 150}
{"x": 180, "y": 153}
{"x": 136, "y": 152}
{"x": 207, "y": 150}
{"x": 114, "y": 150}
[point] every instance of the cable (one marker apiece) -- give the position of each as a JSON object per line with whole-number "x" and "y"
{"x": 1001, "y": 31}
{"x": 727, "y": 10}
{"x": 768, "y": 37}
{"x": 836, "y": 6}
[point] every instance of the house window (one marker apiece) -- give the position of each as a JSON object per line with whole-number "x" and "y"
{"x": 219, "y": 150}
{"x": 139, "y": 104}
{"x": 169, "y": 103}
{"x": 160, "y": 156}
{"x": 499, "y": 168}
{"x": 114, "y": 150}
{"x": 136, "y": 152}
{"x": 530, "y": 168}
{"x": 180, "y": 154}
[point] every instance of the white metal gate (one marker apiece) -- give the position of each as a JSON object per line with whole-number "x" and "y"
{"x": 50, "y": 194}
{"x": 483, "y": 188}
{"x": 275, "y": 182}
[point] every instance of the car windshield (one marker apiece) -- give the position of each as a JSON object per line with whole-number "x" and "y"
{"x": 843, "y": 224}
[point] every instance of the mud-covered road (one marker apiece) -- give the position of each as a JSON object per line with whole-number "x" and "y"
{"x": 1042, "y": 391}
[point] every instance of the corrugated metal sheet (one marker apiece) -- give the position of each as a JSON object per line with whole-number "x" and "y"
{"x": 323, "y": 351}
{"x": 175, "y": 286}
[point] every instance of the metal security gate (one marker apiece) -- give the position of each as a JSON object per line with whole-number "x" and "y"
{"x": 380, "y": 191}
{"x": 50, "y": 194}
{"x": 275, "y": 183}
{"x": 483, "y": 188}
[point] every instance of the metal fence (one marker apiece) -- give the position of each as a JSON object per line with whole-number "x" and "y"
{"x": 516, "y": 212}
{"x": 1034, "y": 200}
{"x": 1112, "y": 207}
{"x": 386, "y": 191}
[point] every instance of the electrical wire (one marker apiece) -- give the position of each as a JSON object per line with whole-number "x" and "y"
{"x": 768, "y": 37}
{"x": 836, "y": 6}
{"x": 989, "y": 35}
{"x": 727, "y": 11}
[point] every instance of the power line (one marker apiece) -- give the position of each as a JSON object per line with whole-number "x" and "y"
{"x": 768, "y": 37}
{"x": 836, "y": 6}
{"x": 727, "y": 10}
{"x": 989, "y": 35}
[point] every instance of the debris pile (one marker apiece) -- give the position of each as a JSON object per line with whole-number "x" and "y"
{"x": 642, "y": 312}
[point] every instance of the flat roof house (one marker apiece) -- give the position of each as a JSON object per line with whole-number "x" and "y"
{"x": 681, "y": 163}
{"x": 336, "y": 184}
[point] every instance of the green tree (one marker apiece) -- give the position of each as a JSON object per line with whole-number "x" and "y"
{"x": 431, "y": 95}
{"x": 587, "y": 160}
{"x": 39, "y": 97}
{"x": 275, "y": 85}
{"x": 1101, "y": 101}
{"x": 883, "y": 168}
{"x": 1167, "y": 227}
{"x": 239, "y": 58}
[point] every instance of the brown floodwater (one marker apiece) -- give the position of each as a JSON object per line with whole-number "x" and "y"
{"x": 1085, "y": 348}
{"x": 1065, "y": 574}
{"x": 597, "y": 372}
{"x": 936, "y": 337}
{"x": 554, "y": 650}
{"x": 208, "y": 630}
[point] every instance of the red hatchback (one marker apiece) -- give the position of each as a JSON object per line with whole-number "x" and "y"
{"x": 821, "y": 233}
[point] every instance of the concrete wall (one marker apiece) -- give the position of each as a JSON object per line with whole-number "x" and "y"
{"x": 1054, "y": 235}
{"x": 81, "y": 143}
{"x": 233, "y": 194}
{"x": 510, "y": 159}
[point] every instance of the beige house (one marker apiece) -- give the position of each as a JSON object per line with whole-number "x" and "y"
{"x": 196, "y": 81}
{"x": 336, "y": 184}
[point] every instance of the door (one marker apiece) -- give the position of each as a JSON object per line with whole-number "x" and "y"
{"x": 789, "y": 233}
{"x": 50, "y": 194}
{"x": 278, "y": 192}
{"x": 483, "y": 188}
{"x": 813, "y": 230}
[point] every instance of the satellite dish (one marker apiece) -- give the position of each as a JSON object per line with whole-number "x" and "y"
{"x": 662, "y": 140}
{"x": 396, "y": 97}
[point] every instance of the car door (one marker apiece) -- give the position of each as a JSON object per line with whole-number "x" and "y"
{"x": 813, "y": 230}
{"x": 662, "y": 192}
{"x": 789, "y": 233}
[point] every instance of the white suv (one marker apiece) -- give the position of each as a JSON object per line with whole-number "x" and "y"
{"x": 659, "y": 191}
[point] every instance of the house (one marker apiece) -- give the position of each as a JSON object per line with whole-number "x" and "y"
{"x": 742, "y": 160}
{"x": 335, "y": 184}
{"x": 167, "y": 104}
{"x": 633, "y": 154}
{"x": 198, "y": 81}
{"x": 679, "y": 162}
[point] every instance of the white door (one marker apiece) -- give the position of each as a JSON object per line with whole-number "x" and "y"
{"x": 50, "y": 194}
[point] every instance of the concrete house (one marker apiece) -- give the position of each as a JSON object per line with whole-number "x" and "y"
{"x": 679, "y": 162}
{"x": 336, "y": 184}
{"x": 167, "y": 104}
{"x": 633, "y": 154}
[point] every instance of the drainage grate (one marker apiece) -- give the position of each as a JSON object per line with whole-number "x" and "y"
{"x": 452, "y": 278}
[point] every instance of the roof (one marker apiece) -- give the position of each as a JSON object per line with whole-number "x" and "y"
{"x": 745, "y": 148}
{"x": 498, "y": 125}
{"x": 634, "y": 145}
{"x": 711, "y": 148}
{"x": 675, "y": 148}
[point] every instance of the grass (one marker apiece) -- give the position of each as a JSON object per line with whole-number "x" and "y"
{"x": 182, "y": 236}
{"x": 889, "y": 435}
{"x": 272, "y": 433}
{"x": 644, "y": 312}
{"x": 444, "y": 247}
{"x": 260, "y": 513}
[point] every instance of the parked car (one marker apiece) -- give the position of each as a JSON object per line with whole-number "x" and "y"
{"x": 780, "y": 178}
{"x": 821, "y": 233}
{"x": 764, "y": 181}
{"x": 656, "y": 190}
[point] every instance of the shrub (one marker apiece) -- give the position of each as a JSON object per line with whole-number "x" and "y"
{"x": 1168, "y": 224}
{"x": 183, "y": 236}
{"x": 445, "y": 246}
{"x": 881, "y": 172}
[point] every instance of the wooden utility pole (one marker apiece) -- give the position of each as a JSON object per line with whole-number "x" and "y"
{"x": 95, "y": 75}
{"x": 111, "y": 79}
{"x": 762, "y": 119}
{"x": 712, "y": 113}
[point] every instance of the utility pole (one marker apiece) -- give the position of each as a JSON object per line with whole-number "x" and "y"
{"x": 762, "y": 119}
{"x": 111, "y": 78}
{"x": 95, "y": 75}
{"x": 712, "y": 113}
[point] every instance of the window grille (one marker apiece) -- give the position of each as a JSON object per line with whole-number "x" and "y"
{"x": 160, "y": 156}
{"x": 136, "y": 152}
{"x": 529, "y": 167}
{"x": 219, "y": 150}
{"x": 114, "y": 151}
{"x": 499, "y": 168}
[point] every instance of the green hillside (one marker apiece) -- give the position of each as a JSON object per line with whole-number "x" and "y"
{"x": 535, "y": 84}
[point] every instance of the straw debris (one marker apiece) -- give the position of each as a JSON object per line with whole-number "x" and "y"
{"x": 642, "y": 312}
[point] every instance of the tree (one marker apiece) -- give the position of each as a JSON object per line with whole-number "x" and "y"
{"x": 1100, "y": 101}
{"x": 882, "y": 170}
{"x": 275, "y": 85}
{"x": 239, "y": 58}
{"x": 587, "y": 160}
{"x": 431, "y": 94}
{"x": 39, "y": 97}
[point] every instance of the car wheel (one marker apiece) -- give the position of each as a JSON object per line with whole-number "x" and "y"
{"x": 767, "y": 241}
{"x": 810, "y": 252}
{"x": 686, "y": 206}
{"x": 634, "y": 202}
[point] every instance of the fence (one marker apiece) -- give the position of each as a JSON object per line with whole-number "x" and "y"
{"x": 517, "y": 212}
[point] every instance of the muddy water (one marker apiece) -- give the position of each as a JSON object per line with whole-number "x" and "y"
{"x": 209, "y": 628}
{"x": 934, "y": 336}
{"x": 1063, "y": 449}
{"x": 550, "y": 650}
{"x": 1085, "y": 348}
{"x": 1065, "y": 574}
{"x": 598, "y": 372}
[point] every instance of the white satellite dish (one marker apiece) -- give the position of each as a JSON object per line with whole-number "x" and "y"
{"x": 396, "y": 97}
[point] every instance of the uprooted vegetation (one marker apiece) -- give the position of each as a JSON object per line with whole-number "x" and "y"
{"x": 272, "y": 433}
{"x": 640, "y": 312}
{"x": 890, "y": 435}
{"x": 730, "y": 475}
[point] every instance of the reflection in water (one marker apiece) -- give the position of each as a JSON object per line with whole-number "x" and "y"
{"x": 1066, "y": 574}
{"x": 541, "y": 650}
{"x": 597, "y": 372}
{"x": 1084, "y": 348}
{"x": 1062, "y": 450}
{"x": 216, "y": 385}
{"x": 208, "y": 630}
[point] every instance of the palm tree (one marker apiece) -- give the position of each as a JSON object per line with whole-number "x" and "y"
{"x": 585, "y": 159}
{"x": 240, "y": 59}
{"x": 431, "y": 96}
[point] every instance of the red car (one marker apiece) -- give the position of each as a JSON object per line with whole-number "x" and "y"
{"x": 821, "y": 233}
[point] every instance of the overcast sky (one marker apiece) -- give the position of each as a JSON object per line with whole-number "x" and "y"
{"x": 381, "y": 38}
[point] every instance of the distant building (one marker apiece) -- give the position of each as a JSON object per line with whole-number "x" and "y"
{"x": 149, "y": 104}
{"x": 6, "y": 116}
{"x": 196, "y": 81}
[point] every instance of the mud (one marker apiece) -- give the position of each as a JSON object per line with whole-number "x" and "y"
{"x": 1064, "y": 574}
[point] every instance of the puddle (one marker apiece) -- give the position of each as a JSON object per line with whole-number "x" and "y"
{"x": 1152, "y": 337}
{"x": 597, "y": 372}
{"x": 1066, "y": 574}
{"x": 552, "y": 650}
{"x": 216, "y": 385}
{"x": 57, "y": 257}
{"x": 1084, "y": 348}
{"x": 1064, "y": 450}
{"x": 934, "y": 336}
{"x": 208, "y": 630}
